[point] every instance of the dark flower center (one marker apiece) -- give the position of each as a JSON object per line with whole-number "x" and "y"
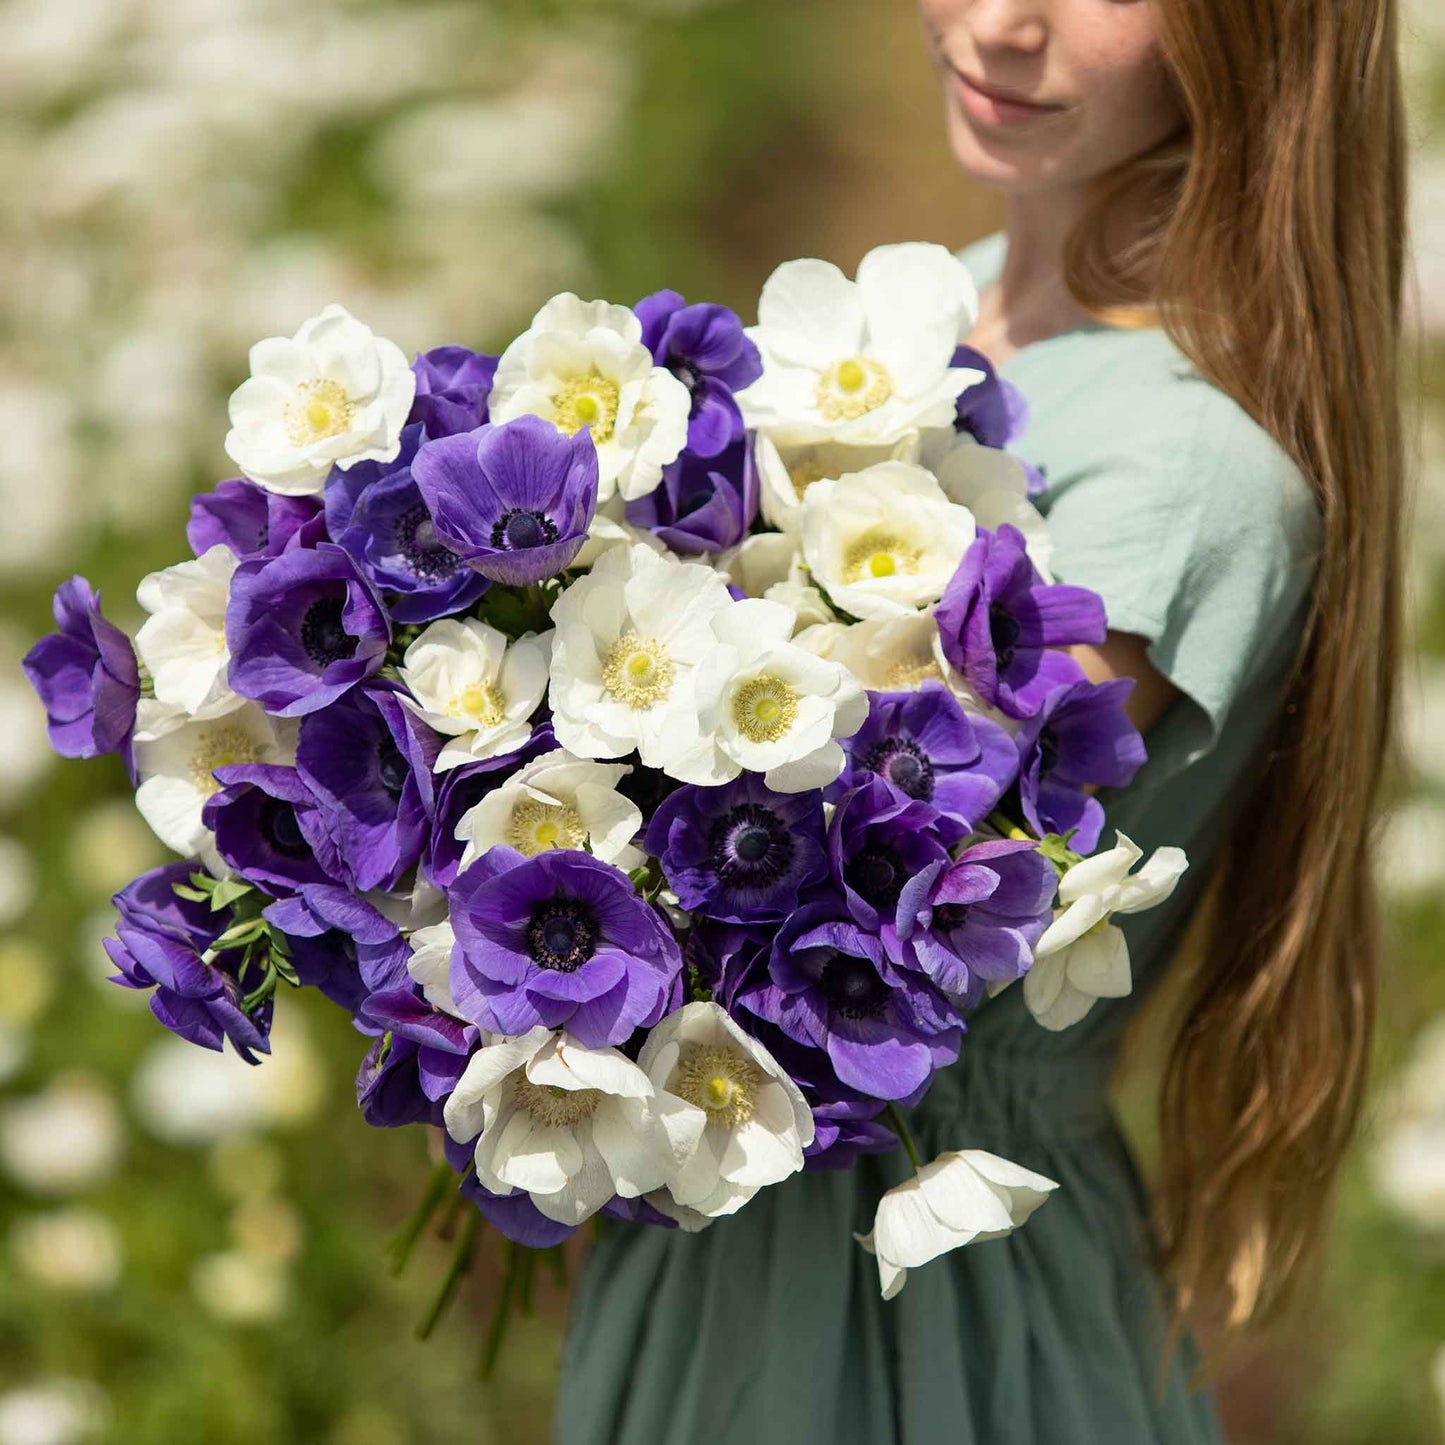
{"x": 686, "y": 372}
{"x": 1048, "y": 751}
{"x": 877, "y": 875}
{"x": 853, "y": 987}
{"x": 562, "y": 936}
{"x": 323, "y": 634}
{"x": 391, "y": 767}
{"x": 1003, "y": 629}
{"x": 416, "y": 540}
{"x": 905, "y": 765}
{"x": 518, "y": 530}
{"x": 278, "y": 826}
{"x": 948, "y": 916}
{"x": 695, "y": 502}
{"x": 750, "y": 847}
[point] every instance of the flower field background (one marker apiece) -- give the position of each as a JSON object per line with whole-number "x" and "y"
{"x": 182, "y": 177}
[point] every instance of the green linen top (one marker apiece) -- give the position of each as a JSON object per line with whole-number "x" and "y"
{"x": 767, "y": 1328}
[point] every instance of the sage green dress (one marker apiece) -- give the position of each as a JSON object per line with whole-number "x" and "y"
{"x": 767, "y": 1328}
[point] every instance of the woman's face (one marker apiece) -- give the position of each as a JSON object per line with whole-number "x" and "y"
{"x": 1046, "y": 93}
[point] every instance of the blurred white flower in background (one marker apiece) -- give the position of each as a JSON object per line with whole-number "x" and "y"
{"x": 17, "y": 881}
{"x": 62, "y": 1139}
{"x": 1410, "y": 860}
{"x": 55, "y": 1411}
{"x": 1408, "y": 1158}
{"x": 76, "y": 1250}
{"x": 241, "y": 1288}
{"x": 37, "y": 423}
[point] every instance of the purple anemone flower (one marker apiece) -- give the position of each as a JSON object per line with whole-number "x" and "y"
{"x": 367, "y": 761}
{"x": 706, "y": 348}
{"x": 877, "y": 840}
{"x": 830, "y": 986}
{"x": 560, "y": 940}
{"x": 1080, "y": 737}
{"x": 86, "y": 677}
{"x": 927, "y": 748}
{"x": 703, "y": 504}
{"x": 417, "y": 1060}
{"x": 515, "y": 1215}
{"x": 740, "y": 853}
{"x": 160, "y": 943}
{"x": 514, "y": 501}
{"x": 974, "y": 921}
{"x": 303, "y": 629}
{"x": 341, "y": 945}
{"x": 268, "y": 828}
{"x": 992, "y": 411}
{"x": 376, "y": 512}
{"x": 251, "y": 521}
{"x": 452, "y": 387}
{"x": 999, "y": 620}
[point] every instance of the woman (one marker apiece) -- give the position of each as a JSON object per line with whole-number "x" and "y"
{"x": 1198, "y": 291}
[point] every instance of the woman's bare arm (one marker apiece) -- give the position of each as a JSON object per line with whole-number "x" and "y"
{"x": 1122, "y": 654}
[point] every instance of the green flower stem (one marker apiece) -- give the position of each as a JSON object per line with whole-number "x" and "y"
{"x": 461, "y": 1263}
{"x": 399, "y": 1247}
{"x": 1010, "y": 829}
{"x": 497, "y": 1328}
{"x": 900, "y": 1127}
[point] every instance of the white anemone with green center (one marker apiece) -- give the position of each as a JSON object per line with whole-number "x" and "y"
{"x": 769, "y": 706}
{"x": 752, "y": 1122}
{"x": 963, "y": 1197}
{"x": 557, "y": 801}
{"x": 865, "y": 361}
{"x": 1083, "y": 956}
{"x": 332, "y": 395}
{"x": 582, "y": 364}
{"x": 183, "y": 641}
{"x": 884, "y": 542}
{"x": 569, "y": 1125}
{"x": 629, "y": 636}
{"x": 466, "y": 681}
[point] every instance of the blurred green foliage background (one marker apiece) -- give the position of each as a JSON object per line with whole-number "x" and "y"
{"x": 189, "y": 1249}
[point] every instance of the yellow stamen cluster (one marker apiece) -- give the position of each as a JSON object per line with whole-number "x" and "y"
{"x": 877, "y": 554}
{"x": 321, "y": 410}
{"x": 912, "y": 673}
{"x": 721, "y": 1081}
{"x": 221, "y": 747}
{"x": 557, "y": 1108}
{"x": 765, "y": 709}
{"x": 482, "y": 703}
{"x": 804, "y": 472}
{"x": 534, "y": 827}
{"x": 637, "y": 671}
{"x": 589, "y": 400}
{"x": 852, "y": 388}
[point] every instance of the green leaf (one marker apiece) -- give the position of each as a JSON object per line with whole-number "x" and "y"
{"x": 228, "y": 891}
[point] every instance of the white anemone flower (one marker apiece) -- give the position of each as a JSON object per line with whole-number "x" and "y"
{"x": 752, "y": 1122}
{"x": 629, "y": 637}
{"x": 962, "y": 1197}
{"x": 786, "y": 470}
{"x": 557, "y": 801}
{"x": 863, "y": 361}
{"x": 430, "y": 964}
{"x": 583, "y": 364}
{"x": 767, "y": 564}
{"x": 183, "y": 642}
{"x": 177, "y": 769}
{"x": 468, "y": 683}
{"x": 571, "y": 1126}
{"x": 769, "y": 706}
{"x": 1083, "y": 957}
{"x": 332, "y": 395}
{"x": 994, "y": 486}
{"x": 885, "y": 541}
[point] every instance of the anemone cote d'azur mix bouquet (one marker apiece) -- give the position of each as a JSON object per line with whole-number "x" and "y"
{"x": 658, "y": 739}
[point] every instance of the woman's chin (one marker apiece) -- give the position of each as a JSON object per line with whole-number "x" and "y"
{"x": 1012, "y": 162}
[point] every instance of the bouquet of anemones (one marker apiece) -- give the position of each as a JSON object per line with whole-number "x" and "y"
{"x": 658, "y": 738}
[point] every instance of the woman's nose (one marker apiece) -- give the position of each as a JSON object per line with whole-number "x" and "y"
{"x": 1009, "y": 24}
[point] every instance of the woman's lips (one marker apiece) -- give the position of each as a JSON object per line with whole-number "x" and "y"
{"x": 994, "y": 108}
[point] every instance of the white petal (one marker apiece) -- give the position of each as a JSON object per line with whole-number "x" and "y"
{"x": 1098, "y": 963}
{"x": 1153, "y": 883}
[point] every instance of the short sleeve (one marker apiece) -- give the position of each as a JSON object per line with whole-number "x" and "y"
{"x": 1201, "y": 536}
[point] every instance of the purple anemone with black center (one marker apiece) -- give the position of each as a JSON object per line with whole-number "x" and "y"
{"x": 514, "y": 502}
{"x": 452, "y": 387}
{"x": 376, "y": 512}
{"x": 160, "y": 944}
{"x": 251, "y": 521}
{"x": 703, "y": 504}
{"x": 303, "y": 629}
{"x": 974, "y": 921}
{"x": 417, "y": 1060}
{"x": 999, "y": 623}
{"x": 741, "y": 852}
{"x": 269, "y": 828}
{"x": 561, "y": 940}
{"x": 925, "y": 747}
{"x": 706, "y": 348}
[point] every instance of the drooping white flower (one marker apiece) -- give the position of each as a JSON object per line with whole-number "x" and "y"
{"x": 1083, "y": 957}
{"x": 430, "y": 964}
{"x": 962, "y": 1197}
{"x": 582, "y": 363}
{"x": 557, "y": 801}
{"x": 885, "y": 541}
{"x": 183, "y": 642}
{"x": 629, "y": 636}
{"x": 752, "y": 1122}
{"x": 466, "y": 681}
{"x": 176, "y": 771}
{"x": 862, "y": 361}
{"x": 769, "y": 706}
{"x": 572, "y": 1126}
{"x": 787, "y": 469}
{"x": 994, "y": 487}
{"x": 332, "y": 395}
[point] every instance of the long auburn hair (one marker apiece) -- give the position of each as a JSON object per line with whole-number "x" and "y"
{"x": 1275, "y": 259}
